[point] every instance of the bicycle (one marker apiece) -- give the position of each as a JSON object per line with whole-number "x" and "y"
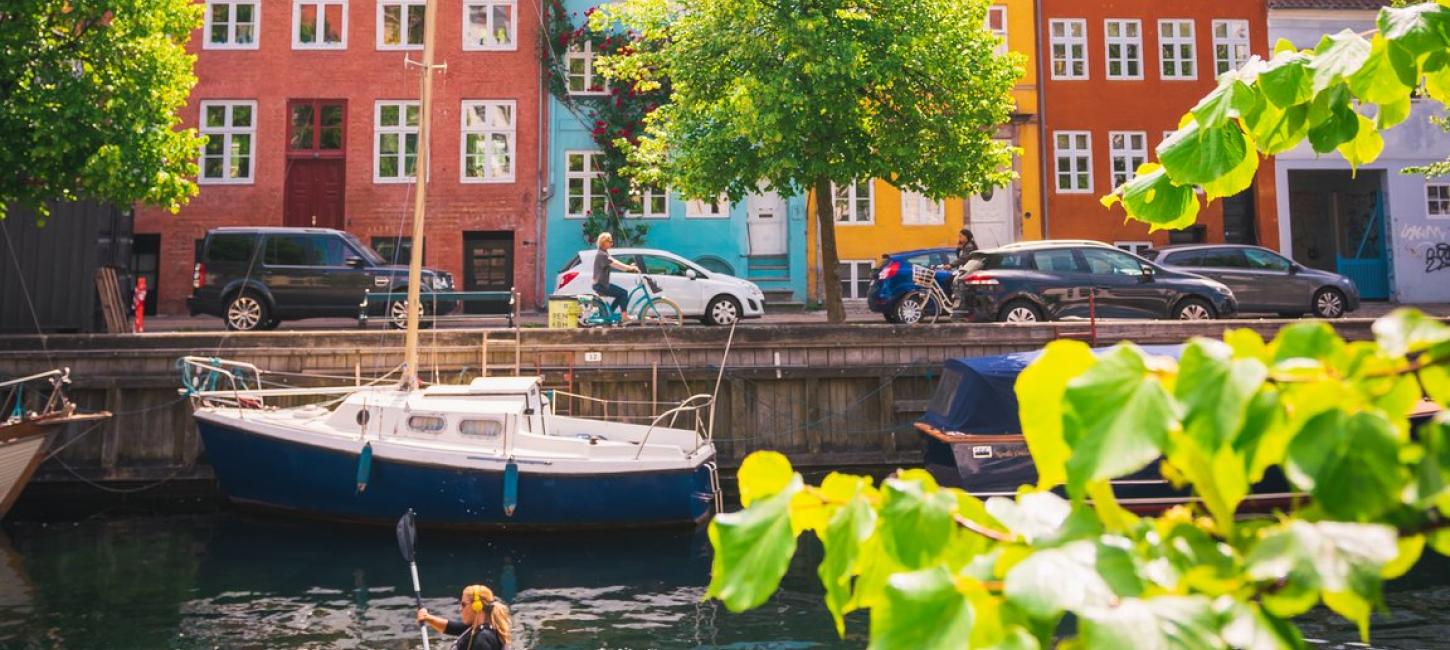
{"x": 642, "y": 302}
{"x": 929, "y": 301}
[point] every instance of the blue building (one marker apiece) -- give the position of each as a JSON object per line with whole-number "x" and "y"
{"x": 761, "y": 238}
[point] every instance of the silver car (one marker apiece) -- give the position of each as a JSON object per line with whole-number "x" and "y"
{"x": 1264, "y": 281}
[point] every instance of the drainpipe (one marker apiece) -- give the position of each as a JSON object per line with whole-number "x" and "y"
{"x": 542, "y": 194}
{"x": 1044, "y": 166}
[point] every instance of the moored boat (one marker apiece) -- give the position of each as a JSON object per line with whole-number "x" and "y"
{"x": 32, "y": 416}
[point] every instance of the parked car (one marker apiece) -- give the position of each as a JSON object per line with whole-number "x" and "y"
{"x": 714, "y": 298}
{"x": 1265, "y": 281}
{"x": 891, "y": 281}
{"x": 1049, "y": 280}
{"x": 255, "y": 278}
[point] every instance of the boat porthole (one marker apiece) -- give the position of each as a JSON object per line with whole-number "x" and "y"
{"x": 362, "y": 417}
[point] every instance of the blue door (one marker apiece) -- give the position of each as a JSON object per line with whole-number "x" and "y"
{"x": 1369, "y": 267}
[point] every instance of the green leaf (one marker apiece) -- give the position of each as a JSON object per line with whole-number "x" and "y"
{"x": 1236, "y": 180}
{"x": 1196, "y": 154}
{"x": 916, "y": 522}
{"x": 1276, "y": 130}
{"x": 1366, "y": 146}
{"x": 1408, "y": 551}
{"x": 1229, "y": 100}
{"x": 1033, "y": 516}
{"x": 1286, "y": 80}
{"x": 848, "y": 530}
{"x": 1119, "y": 417}
{"x": 1407, "y": 331}
{"x": 753, "y": 548}
{"x": 1416, "y": 28}
{"x": 1306, "y": 340}
{"x": 763, "y": 474}
{"x": 1337, "y": 57}
{"x": 1072, "y": 577}
{"x": 1164, "y": 623}
{"x": 1437, "y": 84}
{"x": 1251, "y": 628}
{"x": 1378, "y": 82}
{"x": 1393, "y": 114}
{"x": 1153, "y": 198}
{"x": 1350, "y": 464}
{"x": 1332, "y": 119}
{"x": 1330, "y": 557}
{"x": 1215, "y": 390}
{"x": 922, "y": 609}
{"x": 1043, "y": 384}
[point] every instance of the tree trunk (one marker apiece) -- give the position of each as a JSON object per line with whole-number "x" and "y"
{"x": 830, "y": 262}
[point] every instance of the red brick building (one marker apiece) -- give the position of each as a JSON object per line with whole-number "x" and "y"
{"x": 1116, "y": 77}
{"x": 312, "y": 118}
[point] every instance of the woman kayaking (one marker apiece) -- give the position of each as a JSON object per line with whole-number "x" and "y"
{"x": 485, "y": 621}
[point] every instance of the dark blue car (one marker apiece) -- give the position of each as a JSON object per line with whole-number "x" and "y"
{"x": 892, "y": 280}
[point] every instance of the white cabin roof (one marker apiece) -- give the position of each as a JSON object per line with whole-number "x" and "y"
{"x": 486, "y": 386}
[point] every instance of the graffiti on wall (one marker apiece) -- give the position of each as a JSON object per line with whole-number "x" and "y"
{"x": 1437, "y": 257}
{"x": 1430, "y": 242}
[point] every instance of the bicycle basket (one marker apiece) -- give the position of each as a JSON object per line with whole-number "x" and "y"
{"x": 923, "y": 277}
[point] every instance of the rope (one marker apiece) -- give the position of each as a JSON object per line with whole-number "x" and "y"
{"x": 97, "y": 425}
{"x": 112, "y": 490}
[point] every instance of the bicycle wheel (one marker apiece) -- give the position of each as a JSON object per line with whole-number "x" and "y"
{"x": 661, "y": 311}
{"x": 592, "y": 311}
{"x": 933, "y": 308}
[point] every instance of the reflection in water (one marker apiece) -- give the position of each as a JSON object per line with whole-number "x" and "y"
{"x": 230, "y": 581}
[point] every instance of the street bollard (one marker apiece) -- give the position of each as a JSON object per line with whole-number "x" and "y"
{"x": 138, "y": 304}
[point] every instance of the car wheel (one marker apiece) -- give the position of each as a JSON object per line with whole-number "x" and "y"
{"x": 398, "y": 315}
{"x": 910, "y": 308}
{"x": 722, "y": 310}
{"x": 1020, "y": 311}
{"x": 1193, "y": 309}
{"x": 246, "y": 312}
{"x": 1328, "y": 303}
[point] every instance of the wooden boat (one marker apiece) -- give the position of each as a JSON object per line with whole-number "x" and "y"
{"x": 25, "y": 434}
{"x": 972, "y": 438}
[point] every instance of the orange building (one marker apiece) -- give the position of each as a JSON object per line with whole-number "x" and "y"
{"x": 1116, "y": 76}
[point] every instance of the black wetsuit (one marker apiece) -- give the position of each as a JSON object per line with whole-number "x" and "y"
{"x": 488, "y": 638}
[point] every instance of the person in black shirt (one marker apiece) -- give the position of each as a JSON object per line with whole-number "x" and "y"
{"x": 484, "y": 624}
{"x": 966, "y": 245}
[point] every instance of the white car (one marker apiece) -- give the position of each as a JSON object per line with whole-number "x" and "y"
{"x": 714, "y": 298}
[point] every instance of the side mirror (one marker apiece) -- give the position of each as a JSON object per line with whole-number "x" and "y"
{"x": 1148, "y": 273}
{"x": 1294, "y": 269}
{"x": 691, "y": 274}
{"x": 354, "y": 262}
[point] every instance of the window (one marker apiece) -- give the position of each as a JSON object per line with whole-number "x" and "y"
{"x": 400, "y": 24}
{"x": 656, "y": 265}
{"x": 488, "y": 141}
{"x": 304, "y": 250}
{"x": 1069, "y": 48}
{"x": 1224, "y": 258}
{"x": 717, "y": 209}
{"x": 1230, "y": 44}
{"x": 855, "y": 279}
{"x": 1262, "y": 260}
{"x": 1056, "y": 260}
{"x": 481, "y": 428}
{"x": 231, "y": 24}
{"x": 1437, "y": 197}
{"x": 584, "y": 183}
{"x": 490, "y": 24}
{"x": 654, "y": 203}
{"x": 997, "y": 24}
{"x": 319, "y": 24}
{"x": 853, "y": 203}
{"x": 1124, "y": 48}
{"x": 1102, "y": 261}
{"x": 1175, "y": 43}
{"x": 1134, "y": 247}
{"x": 229, "y": 128}
{"x": 395, "y": 142}
{"x": 1073, "y": 151}
{"x": 579, "y": 67}
{"x": 918, "y": 210}
{"x": 229, "y": 248}
{"x": 397, "y": 250}
{"x": 1127, "y": 150}
{"x": 315, "y": 126}
{"x": 426, "y": 423}
{"x": 1187, "y": 258}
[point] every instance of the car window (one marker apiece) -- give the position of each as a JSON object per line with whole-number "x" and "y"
{"x": 1265, "y": 261}
{"x": 1150, "y": 254}
{"x": 921, "y": 259}
{"x": 1102, "y": 261}
{"x": 656, "y": 265}
{"x": 304, "y": 250}
{"x": 975, "y": 262}
{"x": 230, "y": 248}
{"x": 363, "y": 250}
{"x": 1186, "y": 258}
{"x": 1057, "y": 260}
{"x": 333, "y": 250}
{"x": 1010, "y": 261}
{"x": 941, "y": 258}
{"x": 571, "y": 264}
{"x": 1224, "y": 258}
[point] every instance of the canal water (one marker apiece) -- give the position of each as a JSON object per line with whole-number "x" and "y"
{"x": 227, "y": 580}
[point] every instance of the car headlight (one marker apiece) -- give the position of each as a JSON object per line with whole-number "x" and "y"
{"x": 440, "y": 281}
{"x": 1223, "y": 290}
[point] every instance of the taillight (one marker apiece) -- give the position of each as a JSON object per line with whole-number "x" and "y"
{"x": 198, "y": 276}
{"x": 567, "y": 278}
{"x": 889, "y": 270}
{"x": 980, "y": 280}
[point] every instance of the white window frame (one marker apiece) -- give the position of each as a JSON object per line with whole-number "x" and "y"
{"x": 931, "y": 213}
{"x": 587, "y": 56}
{"x": 1134, "y": 156}
{"x": 297, "y": 43}
{"x": 1067, "y": 41}
{"x": 401, "y": 130}
{"x": 407, "y": 6}
{"x": 1431, "y": 200}
{"x": 486, "y": 130}
{"x": 513, "y": 44}
{"x": 226, "y": 133}
{"x": 1134, "y": 247}
{"x": 231, "y": 44}
{"x": 698, "y": 209}
{"x": 1074, "y": 153}
{"x": 1000, "y": 13}
{"x": 587, "y": 175}
{"x": 855, "y": 279}
{"x": 1123, "y": 43}
{"x": 853, "y": 196}
{"x": 1177, "y": 40}
{"x": 645, "y": 195}
{"x": 1233, "y": 44}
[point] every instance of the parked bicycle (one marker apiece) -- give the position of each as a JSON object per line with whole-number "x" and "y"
{"x": 643, "y": 303}
{"x": 928, "y": 302}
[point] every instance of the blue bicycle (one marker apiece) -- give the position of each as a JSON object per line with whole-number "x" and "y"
{"x": 643, "y": 303}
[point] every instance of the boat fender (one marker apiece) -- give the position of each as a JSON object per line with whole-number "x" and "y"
{"x": 510, "y": 488}
{"x": 364, "y": 467}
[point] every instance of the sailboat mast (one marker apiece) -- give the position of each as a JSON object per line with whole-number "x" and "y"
{"x": 420, "y": 183}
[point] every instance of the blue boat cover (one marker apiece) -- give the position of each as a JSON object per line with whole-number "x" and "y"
{"x": 976, "y": 393}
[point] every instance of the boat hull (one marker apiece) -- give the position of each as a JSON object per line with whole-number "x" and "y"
{"x": 271, "y": 473}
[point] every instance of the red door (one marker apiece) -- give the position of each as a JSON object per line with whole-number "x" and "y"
{"x": 316, "y": 165}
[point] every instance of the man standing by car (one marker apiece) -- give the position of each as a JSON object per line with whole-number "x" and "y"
{"x": 604, "y": 264}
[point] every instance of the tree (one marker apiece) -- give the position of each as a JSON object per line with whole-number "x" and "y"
{"x": 1323, "y": 95}
{"x": 89, "y": 93}
{"x": 807, "y": 94}
{"x": 939, "y": 568}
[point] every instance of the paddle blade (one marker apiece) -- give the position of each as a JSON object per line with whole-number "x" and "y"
{"x": 407, "y": 535}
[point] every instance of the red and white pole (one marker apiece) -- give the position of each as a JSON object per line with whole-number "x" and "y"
{"x": 138, "y": 304}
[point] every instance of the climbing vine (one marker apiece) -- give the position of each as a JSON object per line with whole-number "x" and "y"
{"x": 614, "y": 112}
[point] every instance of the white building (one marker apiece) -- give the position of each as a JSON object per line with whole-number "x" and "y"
{"x": 1388, "y": 231}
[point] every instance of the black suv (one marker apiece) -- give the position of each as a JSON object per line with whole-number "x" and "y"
{"x": 254, "y": 278}
{"x": 1034, "y": 281}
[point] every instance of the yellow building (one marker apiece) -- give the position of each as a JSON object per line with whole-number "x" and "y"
{"x": 874, "y": 218}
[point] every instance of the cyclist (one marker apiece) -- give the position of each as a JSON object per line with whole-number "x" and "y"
{"x": 604, "y": 264}
{"x": 966, "y": 245}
